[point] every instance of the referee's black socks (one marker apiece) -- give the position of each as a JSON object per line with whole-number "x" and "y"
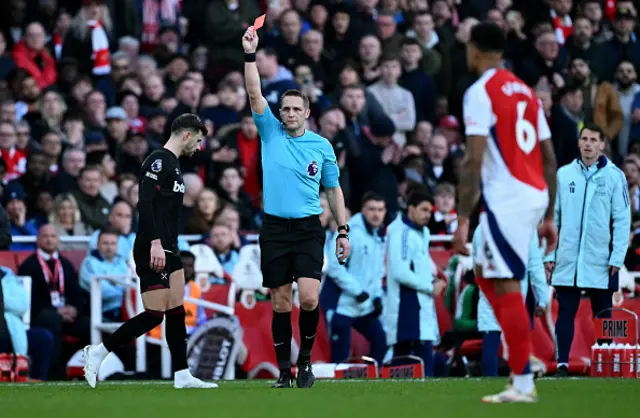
{"x": 133, "y": 328}
{"x": 177, "y": 337}
{"x": 281, "y": 332}
{"x": 308, "y": 327}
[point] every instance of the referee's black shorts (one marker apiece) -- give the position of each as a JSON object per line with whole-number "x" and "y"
{"x": 290, "y": 249}
{"x": 149, "y": 278}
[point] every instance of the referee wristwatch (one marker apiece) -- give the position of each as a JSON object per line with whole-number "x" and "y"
{"x": 343, "y": 231}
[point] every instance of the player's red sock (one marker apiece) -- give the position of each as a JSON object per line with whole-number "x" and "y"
{"x": 514, "y": 321}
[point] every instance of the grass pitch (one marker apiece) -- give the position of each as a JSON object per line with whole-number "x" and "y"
{"x": 568, "y": 398}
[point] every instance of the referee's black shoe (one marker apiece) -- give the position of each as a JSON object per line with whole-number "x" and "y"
{"x": 284, "y": 381}
{"x": 305, "y": 376}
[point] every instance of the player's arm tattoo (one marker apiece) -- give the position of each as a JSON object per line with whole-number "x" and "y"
{"x": 550, "y": 169}
{"x": 336, "y": 203}
{"x": 469, "y": 187}
{"x": 254, "y": 91}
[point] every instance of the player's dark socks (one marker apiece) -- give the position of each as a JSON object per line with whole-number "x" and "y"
{"x": 281, "y": 332}
{"x": 308, "y": 327}
{"x": 177, "y": 336}
{"x": 133, "y": 328}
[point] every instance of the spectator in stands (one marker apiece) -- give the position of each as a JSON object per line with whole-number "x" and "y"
{"x": 95, "y": 106}
{"x": 547, "y": 61}
{"x": 286, "y": 44}
{"x": 581, "y": 45}
{"x": 204, "y": 213}
{"x": 631, "y": 169}
{"x": 106, "y": 261}
{"x": 94, "y": 209}
{"x": 221, "y": 240}
{"x": 627, "y": 88}
{"x": 188, "y": 100}
{"x": 153, "y": 91}
{"x": 107, "y": 166}
{"x": 14, "y": 201}
{"x": 23, "y": 134}
{"x": 229, "y": 216}
{"x": 340, "y": 39}
{"x": 369, "y": 54}
{"x": 276, "y": 79}
{"x": 31, "y": 55}
{"x": 396, "y": 101}
{"x": 36, "y": 342}
{"x": 52, "y": 149}
{"x": 88, "y": 39}
{"x": 444, "y": 220}
{"x": 73, "y": 128}
{"x": 193, "y": 186}
{"x": 592, "y": 9}
{"x": 438, "y": 169}
{"x": 566, "y": 119}
{"x": 63, "y": 22}
{"x": 65, "y": 218}
{"x": 120, "y": 67}
{"x": 313, "y": 55}
{"x": 230, "y": 191}
{"x": 225, "y": 25}
{"x": 15, "y": 159}
{"x": 35, "y": 180}
{"x": 434, "y": 61}
{"x": 624, "y": 45}
{"x": 66, "y": 180}
{"x": 6, "y": 61}
{"x": 119, "y": 222}
{"x": 57, "y": 302}
{"x": 419, "y": 83}
{"x": 52, "y": 108}
{"x": 600, "y": 102}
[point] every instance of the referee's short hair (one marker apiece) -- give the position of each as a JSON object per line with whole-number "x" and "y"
{"x": 419, "y": 195}
{"x": 188, "y": 122}
{"x": 296, "y": 93}
{"x": 594, "y": 128}
{"x": 488, "y": 37}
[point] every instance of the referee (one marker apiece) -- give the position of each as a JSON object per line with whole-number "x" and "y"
{"x": 156, "y": 255}
{"x": 295, "y": 162}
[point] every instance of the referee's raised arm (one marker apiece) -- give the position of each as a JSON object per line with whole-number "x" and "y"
{"x": 251, "y": 76}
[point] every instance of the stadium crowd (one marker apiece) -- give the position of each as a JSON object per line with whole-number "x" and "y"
{"x": 89, "y": 88}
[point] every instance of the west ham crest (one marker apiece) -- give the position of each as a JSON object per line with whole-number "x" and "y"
{"x": 312, "y": 169}
{"x": 156, "y": 166}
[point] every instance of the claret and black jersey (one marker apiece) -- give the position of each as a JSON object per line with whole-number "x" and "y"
{"x": 160, "y": 201}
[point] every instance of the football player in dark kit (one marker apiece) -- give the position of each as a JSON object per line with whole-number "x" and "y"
{"x": 295, "y": 162}
{"x": 156, "y": 254}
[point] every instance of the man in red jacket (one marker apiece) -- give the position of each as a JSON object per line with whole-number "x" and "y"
{"x": 31, "y": 55}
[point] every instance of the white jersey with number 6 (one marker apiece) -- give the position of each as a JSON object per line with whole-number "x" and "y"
{"x": 504, "y": 109}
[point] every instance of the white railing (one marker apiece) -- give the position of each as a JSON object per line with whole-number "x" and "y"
{"x": 98, "y": 325}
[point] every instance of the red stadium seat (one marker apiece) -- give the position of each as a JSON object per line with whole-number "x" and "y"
{"x": 8, "y": 259}
{"x": 76, "y": 257}
{"x": 20, "y": 256}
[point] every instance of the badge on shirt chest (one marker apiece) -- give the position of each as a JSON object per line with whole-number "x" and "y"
{"x": 312, "y": 169}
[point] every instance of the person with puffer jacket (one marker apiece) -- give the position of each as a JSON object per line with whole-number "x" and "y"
{"x": 352, "y": 293}
{"x": 593, "y": 218}
{"x": 35, "y": 342}
{"x": 105, "y": 261}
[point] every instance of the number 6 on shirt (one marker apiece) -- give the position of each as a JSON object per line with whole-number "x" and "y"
{"x": 526, "y": 136}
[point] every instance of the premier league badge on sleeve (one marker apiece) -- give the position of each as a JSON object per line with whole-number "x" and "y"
{"x": 312, "y": 169}
{"x": 156, "y": 166}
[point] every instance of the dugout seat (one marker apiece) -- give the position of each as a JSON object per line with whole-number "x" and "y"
{"x": 8, "y": 259}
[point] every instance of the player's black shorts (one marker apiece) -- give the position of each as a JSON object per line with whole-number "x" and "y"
{"x": 150, "y": 279}
{"x": 290, "y": 249}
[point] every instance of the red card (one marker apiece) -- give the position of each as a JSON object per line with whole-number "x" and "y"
{"x": 259, "y": 22}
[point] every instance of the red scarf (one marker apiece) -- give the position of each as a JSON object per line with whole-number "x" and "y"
{"x": 154, "y": 14}
{"x": 563, "y": 27}
{"x": 55, "y": 278}
{"x": 100, "y": 47}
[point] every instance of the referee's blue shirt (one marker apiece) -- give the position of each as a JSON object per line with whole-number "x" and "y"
{"x": 293, "y": 168}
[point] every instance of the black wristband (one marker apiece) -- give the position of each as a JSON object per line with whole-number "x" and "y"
{"x": 343, "y": 236}
{"x": 250, "y": 57}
